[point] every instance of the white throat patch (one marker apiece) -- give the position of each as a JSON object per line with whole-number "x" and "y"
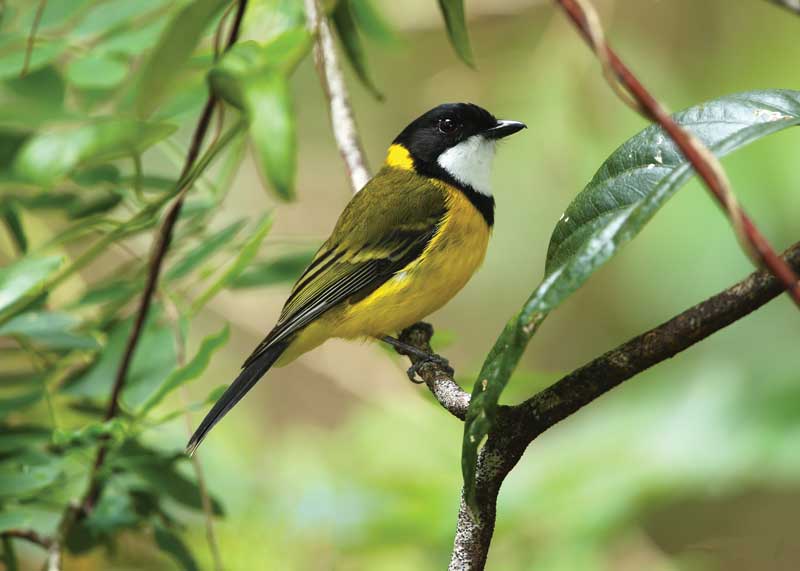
{"x": 470, "y": 163}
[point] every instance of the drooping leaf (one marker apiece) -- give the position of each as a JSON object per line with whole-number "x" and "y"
{"x": 345, "y": 24}
{"x": 24, "y": 279}
{"x": 253, "y": 78}
{"x": 239, "y": 264}
{"x": 11, "y": 216}
{"x": 456, "y": 22}
{"x": 171, "y": 544}
{"x": 189, "y": 371}
{"x": 178, "y": 40}
{"x": 627, "y": 191}
{"x": 285, "y": 269}
{"x": 52, "y": 154}
{"x": 207, "y": 248}
{"x": 373, "y": 23}
{"x": 50, "y": 329}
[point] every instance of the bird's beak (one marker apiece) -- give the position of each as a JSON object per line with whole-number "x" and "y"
{"x": 504, "y": 129}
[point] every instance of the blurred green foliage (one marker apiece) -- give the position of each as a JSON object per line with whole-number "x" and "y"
{"x": 322, "y": 475}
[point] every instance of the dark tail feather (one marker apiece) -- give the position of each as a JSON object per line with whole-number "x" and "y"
{"x": 243, "y": 383}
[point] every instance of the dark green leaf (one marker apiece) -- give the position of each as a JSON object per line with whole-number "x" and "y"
{"x": 24, "y": 279}
{"x": 372, "y": 22}
{"x": 178, "y": 40}
{"x": 455, "y": 20}
{"x": 173, "y": 545}
{"x": 51, "y": 329}
{"x": 44, "y": 86}
{"x": 53, "y": 154}
{"x": 188, "y": 372}
{"x": 9, "y": 212}
{"x": 627, "y": 191}
{"x": 285, "y": 269}
{"x": 206, "y": 249}
{"x": 91, "y": 203}
{"x": 94, "y": 71}
{"x": 17, "y": 403}
{"x": 348, "y": 33}
{"x": 14, "y": 438}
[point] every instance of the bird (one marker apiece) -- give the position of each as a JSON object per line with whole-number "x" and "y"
{"x": 404, "y": 245}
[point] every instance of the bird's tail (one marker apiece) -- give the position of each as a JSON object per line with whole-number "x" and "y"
{"x": 249, "y": 376}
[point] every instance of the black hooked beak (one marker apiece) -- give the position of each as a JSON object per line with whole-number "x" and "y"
{"x": 504, "y": 129}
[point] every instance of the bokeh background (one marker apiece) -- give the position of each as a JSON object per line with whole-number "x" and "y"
{"x": 338, "y": 462}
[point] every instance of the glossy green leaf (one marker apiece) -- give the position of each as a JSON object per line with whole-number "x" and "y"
{"x": 50, "y": 329}
{"x": 189, "y": 371}
{"x": 285, "y": 269}
{"x": 94, "y": 71}
{"x": 50, "y": 155}
{"x": 625, "y": 193}
{"x": 238, "y": 265}
{"x": 455, "y": 20}
{"x": 345, "y": 24}
{"x": 24, "y": 279}
{"x": 178, "y": 40}
{"x": 207, "y": 248}
{"x": 171, "y": 544}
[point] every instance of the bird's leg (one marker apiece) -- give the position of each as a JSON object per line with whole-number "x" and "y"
{"x": 422, "y": 358}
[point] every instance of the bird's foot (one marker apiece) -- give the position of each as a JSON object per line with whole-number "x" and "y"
{"x": 419, "y": 357}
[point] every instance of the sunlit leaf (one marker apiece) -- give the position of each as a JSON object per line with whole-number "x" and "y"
{"x": 52, "y": 154}
{"x": 627, "y": 191}
{"x": 346, "y": 28}
{"x": 207, "y": 248}
{"x": 23, "y": 279}
{"x": 188, "y": 372}
{"x": 178, "y": 40}
{"x": 50, "y": 329}
{"x": 285, "y": 269}
{"x": 455, "y": 20}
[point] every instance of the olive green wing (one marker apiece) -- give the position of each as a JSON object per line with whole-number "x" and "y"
{"x": 386, "y": 226}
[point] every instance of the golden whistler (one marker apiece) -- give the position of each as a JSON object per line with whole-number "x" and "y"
{"x": 404, "y": 245}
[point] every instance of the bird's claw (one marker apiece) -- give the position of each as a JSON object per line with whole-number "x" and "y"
{"x": 414, "y": 370}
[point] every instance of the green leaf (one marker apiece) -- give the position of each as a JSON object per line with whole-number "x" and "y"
{"x": 91, "y": 203}
{"x": 346, "y": 28}
{"x": 455, "y": 20}
{"x": 10, "y": 214}
{"x": 239, "y": 264}
{"x": 51, "y": 155}
{"x": 178, "y": 40}
{"x": 373, "y": 23}
{"x": 285, "y": 269}
{"x": 252, "y": 77}
{"x": 17, "y": 403}
{"x": 627, "y": 191}
{"x": 208, "y": 247}
{"x": 43, "y": 53}
{"x": 44, "y": 86}
{"x": 188, "y": 372}
{"x": 171, "y": 544}
{"x": 20, "y": 481}
{"x": 94, "y": 71}
{"x": 24, "y": 279}
{"x": 13, "y": 438}
{"x": 52, "y": 329}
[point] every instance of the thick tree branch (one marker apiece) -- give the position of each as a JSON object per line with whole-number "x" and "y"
{"x": 584, "y": 16}
{"x": 157, "y": 258}
{"x": 330, "y": 75}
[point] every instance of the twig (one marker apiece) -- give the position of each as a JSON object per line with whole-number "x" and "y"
{"x": 517, "y": 426}
{"x": 792, "y": 5}
{"x": 29, "y": 535}
{"x": 330, "y": 75}
{"x": 701, "y": 158}
{"x": 160, "y": 249}
{"x": 37, "y": 19}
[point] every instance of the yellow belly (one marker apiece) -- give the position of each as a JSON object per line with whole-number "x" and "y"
{"x": 426, "y": 284}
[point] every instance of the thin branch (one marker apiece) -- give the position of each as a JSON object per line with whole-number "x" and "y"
{"x": 792, "y": 5}
{"x": 29, "y": 535}
{"x": 159, "y": 254}
{"x": 583, "y": 15}
{"x": 37, "y": 19}
{"x": 517, "y": 426}
{"x": 330, "y": 74}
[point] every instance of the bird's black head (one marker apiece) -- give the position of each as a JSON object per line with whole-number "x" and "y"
{"x": 443, "y": 127}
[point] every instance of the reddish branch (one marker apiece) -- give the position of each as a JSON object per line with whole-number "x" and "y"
{"x": 159, "y": 254}
{"x": 686, "y": 143}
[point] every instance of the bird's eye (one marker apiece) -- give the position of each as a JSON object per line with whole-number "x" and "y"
{"x": 447, "y": 126}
